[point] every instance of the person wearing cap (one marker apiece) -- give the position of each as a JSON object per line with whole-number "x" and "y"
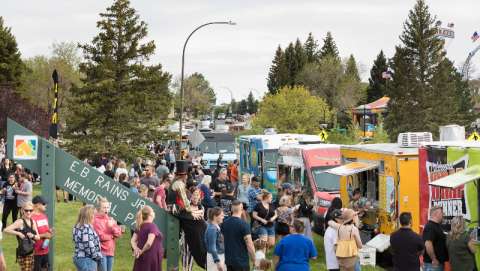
{"x": 254, "y": 194}
{"x": 348, "y": 236}
{"x": 40, "y": 254}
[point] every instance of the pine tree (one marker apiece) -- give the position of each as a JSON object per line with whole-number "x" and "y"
{"x": 351, "y": 69}
{"x": 300, "y": 57}
{"x": 278, "y": 74}
{"x": 425, "y": 90}
{"x": 242, "y": 107}
{"x": 311, "y": 49}
{"x": 123, "y": 102}
{"x": 251, "y": 104}
{"x": 376, "y": 83}
{"x": 402, "y": 108}
{"x": 329, "y": 48}
{"x": 290, "y": 63}
{"x": 11, "y": 65}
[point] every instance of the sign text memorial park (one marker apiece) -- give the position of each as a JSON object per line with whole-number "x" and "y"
{"x": 58, "y": 168}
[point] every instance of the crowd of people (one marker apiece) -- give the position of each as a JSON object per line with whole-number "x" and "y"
{"x": 228, "y": 222}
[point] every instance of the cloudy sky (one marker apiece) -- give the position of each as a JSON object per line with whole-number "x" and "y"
{"x": 237, "y": 58}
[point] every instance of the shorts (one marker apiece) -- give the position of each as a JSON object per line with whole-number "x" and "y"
{"x": 264, "y": 230}
{"x": 238, "y": 268}
{"x": 40, "y": 262}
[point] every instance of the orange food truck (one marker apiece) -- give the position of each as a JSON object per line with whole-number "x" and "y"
{"x": 305, "y": 166}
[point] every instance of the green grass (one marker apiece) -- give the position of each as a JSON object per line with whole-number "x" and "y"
{"x": 66, "y": 214}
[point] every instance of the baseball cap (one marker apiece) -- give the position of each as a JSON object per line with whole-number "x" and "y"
{"x": 39, "y": 200}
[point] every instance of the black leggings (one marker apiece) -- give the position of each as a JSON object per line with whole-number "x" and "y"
{"x": 7, "y": 208}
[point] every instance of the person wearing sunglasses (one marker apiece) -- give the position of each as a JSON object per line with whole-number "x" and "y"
{"x": 24, "y": 228}
{"x": 41, "y": 247}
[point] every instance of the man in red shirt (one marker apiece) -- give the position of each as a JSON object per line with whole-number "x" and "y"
{"x": 41, "y": 262}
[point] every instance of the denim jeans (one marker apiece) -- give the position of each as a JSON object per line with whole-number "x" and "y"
{"x": 357, "y": 266}
{"x": 107, "y": 263}
{"x": 85, "y": 264}
{"x": 430, "y": 267}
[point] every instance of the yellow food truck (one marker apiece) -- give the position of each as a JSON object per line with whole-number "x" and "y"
{"x": 387, "y": 176}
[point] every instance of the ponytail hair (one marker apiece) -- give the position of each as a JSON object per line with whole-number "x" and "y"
{"x": 143, "y": 215}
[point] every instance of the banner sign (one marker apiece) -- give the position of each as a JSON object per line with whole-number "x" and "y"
{"x": 452, "y": 201}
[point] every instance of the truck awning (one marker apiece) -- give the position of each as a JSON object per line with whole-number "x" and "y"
{"x": 352, "y": 168}
{"x": 460, "y": 178}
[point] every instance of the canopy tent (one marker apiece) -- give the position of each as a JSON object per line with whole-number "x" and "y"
{"x": 352, "y": 168}
{"x": 460, "y": 178}
{"x": 375, "y": 107}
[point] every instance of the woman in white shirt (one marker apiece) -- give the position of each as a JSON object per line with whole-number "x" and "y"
{"x": 329, "y": 241}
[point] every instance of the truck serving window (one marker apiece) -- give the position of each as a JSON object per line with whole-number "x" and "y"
{"x": 270, "y": 159}
{"x": 326, "y": 182}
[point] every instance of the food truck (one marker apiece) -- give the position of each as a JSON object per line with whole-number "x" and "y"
{"x": 449, "y": 177}
{"x": 259, "y": 154}
{"x": 387, "y": 176}
{"x": 304, "y": 165}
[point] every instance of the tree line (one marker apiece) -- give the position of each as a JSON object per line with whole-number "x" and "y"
{"x": 425, "y": 89}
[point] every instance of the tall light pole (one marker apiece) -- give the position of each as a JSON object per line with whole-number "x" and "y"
{"x": 181, "y": 80}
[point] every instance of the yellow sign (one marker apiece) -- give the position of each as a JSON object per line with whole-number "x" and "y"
{"x": 323, "y": 135}
{"x": 474, "y": 136}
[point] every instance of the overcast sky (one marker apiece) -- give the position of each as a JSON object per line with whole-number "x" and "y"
{"x": 238, "y": 57}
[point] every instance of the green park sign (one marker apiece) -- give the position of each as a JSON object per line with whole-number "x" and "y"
{"x": 59, "y": 168}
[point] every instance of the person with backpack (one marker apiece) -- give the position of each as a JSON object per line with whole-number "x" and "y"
{"x": 26, "y": 232}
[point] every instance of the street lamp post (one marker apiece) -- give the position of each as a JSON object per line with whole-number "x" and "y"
{"x": 182, "y": 76}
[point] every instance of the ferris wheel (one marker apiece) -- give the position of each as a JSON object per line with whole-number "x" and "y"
{"x": 466, "y": 65}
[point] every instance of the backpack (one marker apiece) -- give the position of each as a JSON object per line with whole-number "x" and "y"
{"x": 25, "y": 246}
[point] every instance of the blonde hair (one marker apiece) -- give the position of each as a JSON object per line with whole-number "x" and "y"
{"x": 143, "y": 215}
{"x": 100, "y": 201}
{"x": 122, "y": 164}
{"x": 206, "y": 180}
{"x": 85, "y": 216}
{"x": 457, "y": 228}
{"x": 143, "y": 188}
{"x": 27, "y": 205}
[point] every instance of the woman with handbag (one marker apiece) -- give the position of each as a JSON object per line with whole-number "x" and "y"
{"x": 264, "y": 216}
{"x": 87, "y": 256}
{"x": 27, "y": 234}
{"x": 348, "y": 240}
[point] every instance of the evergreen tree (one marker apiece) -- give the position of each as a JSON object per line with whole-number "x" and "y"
{"x": 311, "y": 49}
{"x": 351, "y": 70}
{"x": 278, "y": 74}
{"x": 425, "y": 90}
{"x": 329, "y": 48}
{"x": 300, "y": 58}
{"x": 376, "y": 83}
{"x": 11, "y": 65}
{"x": 123, "y": 102}
{"x": 242, "y": 107}
{"x": 402, "y": 109}
{"x": 290, "y": 64}
{"x": 251, "y": 104}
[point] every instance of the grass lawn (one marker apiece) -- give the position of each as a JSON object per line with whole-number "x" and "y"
{"x": 66, "y": 214}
